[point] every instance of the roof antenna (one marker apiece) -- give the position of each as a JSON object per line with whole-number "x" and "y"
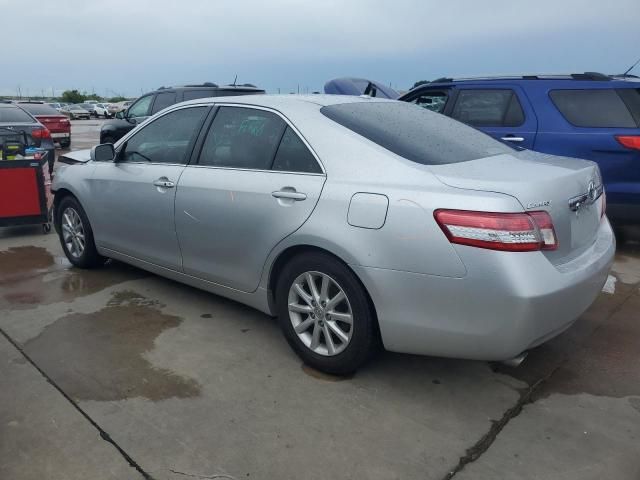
{"x": 631, "y": 67}
{"x": 234, "y": 80}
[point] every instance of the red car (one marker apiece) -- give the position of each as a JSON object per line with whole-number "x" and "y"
{"x": 56, "y": 123}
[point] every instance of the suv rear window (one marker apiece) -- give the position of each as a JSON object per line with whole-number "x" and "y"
{"x": 603, "y": 108}
{"x": 39, "y": 109}
{"x": 14, "y": 115}
{"x": 415, "y": 133}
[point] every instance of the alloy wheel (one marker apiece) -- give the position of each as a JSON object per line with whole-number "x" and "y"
{"x": 320, "y": 313}
{"x": 73, "y": 233}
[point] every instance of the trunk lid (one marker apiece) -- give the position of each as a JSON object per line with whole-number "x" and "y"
{"x": 539, "y": 182}
{"x": 55, "y": 123}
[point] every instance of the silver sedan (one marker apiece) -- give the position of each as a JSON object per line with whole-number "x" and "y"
{"x": 358, "y": 222}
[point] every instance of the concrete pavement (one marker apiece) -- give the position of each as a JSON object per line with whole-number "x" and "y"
{"x": 183, "y": 384}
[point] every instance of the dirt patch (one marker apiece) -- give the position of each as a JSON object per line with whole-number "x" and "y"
{"x": 100, "y": 355}
{"x": 31, "y": 276}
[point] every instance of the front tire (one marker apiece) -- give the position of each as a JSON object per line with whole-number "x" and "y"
{"x": 76, "y": 235}
{"x": 325, "y": 314}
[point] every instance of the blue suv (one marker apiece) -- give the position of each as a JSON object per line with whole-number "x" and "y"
{"x": 587, "y": 115}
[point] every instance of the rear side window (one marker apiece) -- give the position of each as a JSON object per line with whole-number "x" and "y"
{"x": 593, "y": 108}
{"x": 415, "y": 133}
{"x": 39, "y": 109}
{"x": 242, "y": 138}
{"x": 163, "y": 100}
{"x": 294, "y": 156}
{"x": 14, "y": 115}
{"x": 488, "y": 108}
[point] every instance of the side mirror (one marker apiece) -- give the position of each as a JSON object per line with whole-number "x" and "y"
{"x": 120, "y": 114}
{"x": 103, "y": 153}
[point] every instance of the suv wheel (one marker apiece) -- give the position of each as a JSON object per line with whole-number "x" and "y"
{"x": 324, "y": 314}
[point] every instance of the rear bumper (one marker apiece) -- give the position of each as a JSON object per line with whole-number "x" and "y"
{"x": 507, "y": 302}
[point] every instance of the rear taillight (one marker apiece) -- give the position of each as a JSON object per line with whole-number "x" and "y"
{"x": 512, "y": 232}
{"x": 64, "y": 121}
{"x": 40, "y": 134}
{"x": 629, "y": 141}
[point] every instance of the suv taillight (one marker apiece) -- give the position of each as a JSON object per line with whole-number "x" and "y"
{"x": 629, "y": 141}
{"x": 511, "y": 232}
{"x": 64, "y": 121}
{"x": 40, "y": 134}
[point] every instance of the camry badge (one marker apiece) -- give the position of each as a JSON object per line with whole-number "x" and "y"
{"x": 543, "y": 203}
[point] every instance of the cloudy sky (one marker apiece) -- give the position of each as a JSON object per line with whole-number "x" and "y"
{"x": 132, "y": 46}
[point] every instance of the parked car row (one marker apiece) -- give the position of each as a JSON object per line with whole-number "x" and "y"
{"x": 357, "y": 221}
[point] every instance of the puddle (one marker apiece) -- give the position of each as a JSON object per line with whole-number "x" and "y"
{"x": 18, "y": 262}
{"x": 312, "y": 372}
{"x": 100, "y": 355}
{"x": 31, "y": 276}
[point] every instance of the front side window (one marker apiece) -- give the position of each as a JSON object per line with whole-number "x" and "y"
{"x": 294, "y": 156}
{"x": 242, "y": 138}
{"x": 141, "y": 107}
{"x": 593, "y": 108}
{"x": 166, "y": 140}
{"x": 432, "y": 100}
{"x": 488, "y": 108}
{"x": 163, "y": 100}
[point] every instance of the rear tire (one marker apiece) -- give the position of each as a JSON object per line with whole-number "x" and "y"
{"x": 335, "y": 337}
{"x": 76, "y": 235}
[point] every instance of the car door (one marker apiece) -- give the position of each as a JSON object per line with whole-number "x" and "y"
{"x": 132, "y": 198}
{"x": 501, "y": 111}
{"x": 255, "y": 182}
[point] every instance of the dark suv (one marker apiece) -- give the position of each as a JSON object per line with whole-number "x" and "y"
{"x": 584, "y": 115}
{"x": 151, "y": 103}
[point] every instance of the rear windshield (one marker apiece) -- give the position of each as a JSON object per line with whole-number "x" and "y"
{"x": 598, "y": 108}
{"x": 39, "y": 109}
{"x": 414, "y": 133}
{"x": 14, "y": 115}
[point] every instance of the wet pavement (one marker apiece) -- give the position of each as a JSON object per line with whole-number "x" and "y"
{"x": 116, "y": 373}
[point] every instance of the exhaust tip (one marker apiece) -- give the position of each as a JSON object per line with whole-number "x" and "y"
{"x": 515, "y": 361}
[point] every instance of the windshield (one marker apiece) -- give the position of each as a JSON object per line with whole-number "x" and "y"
{"x": 414, "y": 133}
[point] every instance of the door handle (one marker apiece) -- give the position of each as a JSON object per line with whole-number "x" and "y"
{"x": 164, "y": 182}
{"x": 290, "y": 195}
{"x": 513, "y": 139}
